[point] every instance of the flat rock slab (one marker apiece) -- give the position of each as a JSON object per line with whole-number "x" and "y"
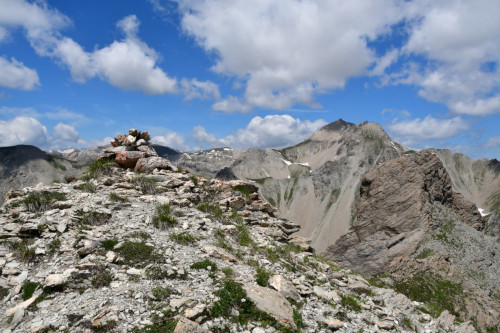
{"x": 271, "y": 302}
{"x": 185, "y": 325}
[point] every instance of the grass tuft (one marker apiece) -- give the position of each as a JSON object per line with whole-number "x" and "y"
{"x": 40, "y": 202}
{"x": 164, "y": 219}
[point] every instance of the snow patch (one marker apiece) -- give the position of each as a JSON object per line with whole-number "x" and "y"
{"x": 187, "y": 155}
{"x": 287, "y": 162}
{"x": 481, "y": 211}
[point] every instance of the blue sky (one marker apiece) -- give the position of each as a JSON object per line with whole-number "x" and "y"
{"x": 264, "y": 73}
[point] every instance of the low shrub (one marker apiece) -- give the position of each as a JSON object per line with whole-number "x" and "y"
{"x": 41, "y": 201}
{"x": 184, "y": 238}
{"x": 163, "y": 218}
{"x": 262, "y": 277}
{"x": 98, "y": 168}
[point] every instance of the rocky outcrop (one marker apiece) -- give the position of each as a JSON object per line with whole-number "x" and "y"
{"x": 410, "y": 223}
{"x": 23, "y": 165}
{"x": 394, "y": 213}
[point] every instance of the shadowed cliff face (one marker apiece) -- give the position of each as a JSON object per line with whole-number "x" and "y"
{"x": 394, "y": 213}
{"x": 23, "y": 165}
{"x": 411, "y": 223}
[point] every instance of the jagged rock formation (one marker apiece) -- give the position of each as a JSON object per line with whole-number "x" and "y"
{"x": 22, "y": 166}
{"x": 404, "y": 204}
{"x": 168, "y": 251}
{"x": 394, "y": 213}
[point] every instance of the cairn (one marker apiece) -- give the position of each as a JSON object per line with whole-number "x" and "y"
{"x": 133, "y": 151}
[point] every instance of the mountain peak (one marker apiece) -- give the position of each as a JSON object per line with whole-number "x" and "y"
{"x": 337, "y": 125}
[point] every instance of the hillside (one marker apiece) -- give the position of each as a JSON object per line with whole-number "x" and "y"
{"x": 167, "y": 252}
{"x": 22, "y": 166}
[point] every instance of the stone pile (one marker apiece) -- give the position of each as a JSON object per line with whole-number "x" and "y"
{"x": 99, "y": 257}
{"x": 133, "y": 151}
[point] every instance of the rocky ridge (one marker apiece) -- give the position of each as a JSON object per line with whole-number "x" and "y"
{"x": 409, "y": 223}
{"x": 131, "y": 252}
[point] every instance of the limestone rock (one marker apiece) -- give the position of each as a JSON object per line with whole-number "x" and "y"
{"x": 185, "y": 325}
{"x": 146, "y": 164}
{"x": 55, "y": 280}
{"x": 129, "y": 159}
{"x": 393, "y": 214}
{"x": 272, "y": 302}
{"x": 285, "y": 287}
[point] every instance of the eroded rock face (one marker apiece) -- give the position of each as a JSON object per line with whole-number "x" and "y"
{"x": 394, "y": 213}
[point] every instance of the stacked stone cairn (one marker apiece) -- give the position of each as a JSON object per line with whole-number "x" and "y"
{"x": 133, "y": 151}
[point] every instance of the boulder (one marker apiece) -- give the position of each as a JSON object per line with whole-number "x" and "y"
{"x": 185, "y": 325}
{"x": 55, "y": 280}
{"x": 146, "y": 164}
{"x": 271, "y": 302}
{"x": 285, "y": 287}
{"x": 128, "y": 159}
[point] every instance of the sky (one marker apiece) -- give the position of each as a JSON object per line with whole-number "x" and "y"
{"x": 199, "y": 74}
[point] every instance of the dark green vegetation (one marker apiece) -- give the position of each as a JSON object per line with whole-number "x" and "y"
{"x": 86, "y": 187}
{"x": 243, "y": 189}
{"x": 162, "y": 293}
{"x": 137, "y": 253}
{"x": 210, "y": 208}
{"x": 98, "y": 168}
{"x": 437, "y": 293}
{"x": 161, "y": 324}
{"x": 54, "y": 246}
{"x": 262, "y": 276}
{"x": 205, "y": 264}
{"x": 23, "y": 250}
{"x": 41, "y": 201}
{"x": 145, "y": 184}
{"x": 351, "y": 302}
{"x": 233, "y": 297}
{"x": 109, "y": 244}
{"x": 183, "y": 238}
{"x": 115, "y": 197}
{"x": 164, "y": 218}
{"x": 93, "y": 218}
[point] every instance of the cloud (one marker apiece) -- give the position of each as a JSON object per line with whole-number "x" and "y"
{"x": 65, "y": 132}
{"x": 274, "y": 131}
{"x": 65, "y": 114}
{"x": 493, "y": 142}
{"x": 204, "y": 139}
{"x": 287, "y": 51}
{"x": 35, "y": 17}
{"x": 414, "y": 132}
{"x": 14, "y": 75}
{"x": 459, "y": 42}
{"x": 14, "y": 111}
{"x": 200, "y": 89}
{"x": 23, "y": 130}
{"x": 128, "y": 64}
{"x": 171, "y": 139}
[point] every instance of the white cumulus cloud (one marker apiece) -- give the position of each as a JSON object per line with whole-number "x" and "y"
{"x": 14, "y": 75}
{"x": 23, "y": 130}
{"x": 412, "y": 132}
{"x": 172, "y": 140}
{"x": 460, "y": 42}
{"x": 288, "y": 51}
{"x": 273, "y": 131}
{"x": 65, "y": 132}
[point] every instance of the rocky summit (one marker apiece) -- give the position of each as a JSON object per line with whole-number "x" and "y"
{"x": 166, "y": 251}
